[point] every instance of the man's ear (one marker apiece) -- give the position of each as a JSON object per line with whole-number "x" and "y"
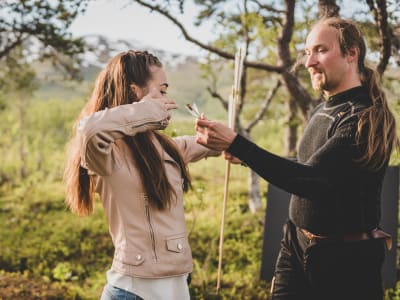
{"x": 352, "y": 54}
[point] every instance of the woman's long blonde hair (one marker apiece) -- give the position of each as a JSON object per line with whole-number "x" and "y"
{"x": 113, "y": 88}
{"x": 377, "y": 123}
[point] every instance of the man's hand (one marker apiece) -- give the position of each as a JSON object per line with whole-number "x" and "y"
{"x": 213, "y": 135}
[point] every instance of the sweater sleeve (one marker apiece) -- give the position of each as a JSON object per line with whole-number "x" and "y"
{"x": 322, "y": 174}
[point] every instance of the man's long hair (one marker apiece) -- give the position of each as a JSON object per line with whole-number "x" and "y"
{"x": 113, "y": 88}
{"x": 377, "y": 125}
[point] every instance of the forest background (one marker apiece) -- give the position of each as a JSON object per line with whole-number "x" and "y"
{"x": 47, "y": 75}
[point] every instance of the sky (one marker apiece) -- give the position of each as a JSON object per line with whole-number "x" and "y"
{"x": 119, "y": 19}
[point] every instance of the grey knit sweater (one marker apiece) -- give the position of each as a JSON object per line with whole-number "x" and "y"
{"x": 331, "y": 192}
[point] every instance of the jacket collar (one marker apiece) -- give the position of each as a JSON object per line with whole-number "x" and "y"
{"x": 346, "y": 96}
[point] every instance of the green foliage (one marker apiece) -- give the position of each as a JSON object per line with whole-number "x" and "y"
{"x": 38, "y": 30}
{"x": 185, "y": 87}
{"x": 17, "y": 75}
{"x": 48, "y": 253}
{"x": 67, "y": 255}
{"x": 23, "y": 286}
{"x": 47, "y": 21}
{"x": 47, "y": 123}
{"x": 393, "y": 294}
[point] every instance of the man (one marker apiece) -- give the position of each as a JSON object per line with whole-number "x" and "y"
{"x": 331, "y": 247}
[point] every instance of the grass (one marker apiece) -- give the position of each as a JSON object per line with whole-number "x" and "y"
{"x": 57, "y": 255}
{"x": 69, "y": 255}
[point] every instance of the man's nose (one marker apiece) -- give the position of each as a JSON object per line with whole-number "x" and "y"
{"x": 310, "y": 60}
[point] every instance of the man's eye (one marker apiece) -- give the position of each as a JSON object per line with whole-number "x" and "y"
{"x": 163, "y": 92}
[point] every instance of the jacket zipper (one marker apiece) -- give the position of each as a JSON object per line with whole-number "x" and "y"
{"x": 163, "y": 123}
{"x": 153, "y": 240}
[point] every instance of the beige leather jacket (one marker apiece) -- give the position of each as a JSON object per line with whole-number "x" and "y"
{"x": 148, "y": 242}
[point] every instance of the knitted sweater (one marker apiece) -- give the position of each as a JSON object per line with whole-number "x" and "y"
{"x": 331, "y": 192}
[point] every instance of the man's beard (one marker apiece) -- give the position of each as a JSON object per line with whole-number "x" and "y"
{"x": 321, "y": 83}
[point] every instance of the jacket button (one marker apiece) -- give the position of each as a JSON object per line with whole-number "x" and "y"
{"x": 179, "y": 246}
{"x": 138, "y": 257}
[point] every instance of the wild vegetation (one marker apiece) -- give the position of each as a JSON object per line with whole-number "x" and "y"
{"x": 48, "y": 253}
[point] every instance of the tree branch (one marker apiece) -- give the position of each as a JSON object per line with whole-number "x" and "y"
{"x": 267, "y": 7}
{"x": 260, "y": 114}
{"x": 218, "y": 96}
{"x": 286, "y": 34}
{"x": 384, "y": 32}
{"x": 328, "y": 8}
{"x": 212, "y": 49}
{"x": 18, "y": 41}
{"x": 296, "y": 90}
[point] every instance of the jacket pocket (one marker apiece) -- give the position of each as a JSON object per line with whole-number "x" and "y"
{"x": 176, "y": 243}
{"x": 129, "y": 256}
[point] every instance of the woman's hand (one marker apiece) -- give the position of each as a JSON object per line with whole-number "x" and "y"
{"x": 213, "y": 135}
{"x": 166, "y": 103}
{"x": 232, "y": 159}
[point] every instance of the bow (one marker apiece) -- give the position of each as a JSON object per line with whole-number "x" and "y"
{"x": 233, "y": 99}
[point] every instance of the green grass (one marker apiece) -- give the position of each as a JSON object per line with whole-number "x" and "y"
{"x": 58, "y": 255}
{"x": 69, "y": 255}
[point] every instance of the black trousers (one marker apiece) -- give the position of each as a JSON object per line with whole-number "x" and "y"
{"x": 327, "y": 270}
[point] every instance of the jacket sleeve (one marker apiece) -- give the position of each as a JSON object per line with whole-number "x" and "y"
{"x": 99, "y": 131}
{"x": 192, "y": 151}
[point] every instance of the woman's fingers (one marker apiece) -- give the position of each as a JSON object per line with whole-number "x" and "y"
{"x": 231, "y": 158}
{"x": 170, "y": 104}
{"x": 166, "y": 103}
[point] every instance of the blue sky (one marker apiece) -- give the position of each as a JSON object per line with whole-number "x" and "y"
{"x": 119, "y": 19}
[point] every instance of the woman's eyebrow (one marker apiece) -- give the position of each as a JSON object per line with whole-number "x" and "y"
{"x": 164, "y": 84}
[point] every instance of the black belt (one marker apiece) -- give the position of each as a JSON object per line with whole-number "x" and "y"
{"x": 352, "y": 237}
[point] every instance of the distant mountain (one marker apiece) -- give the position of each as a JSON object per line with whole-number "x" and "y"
{"x": 187, "y": 83}
{"x": 103, "y": 48}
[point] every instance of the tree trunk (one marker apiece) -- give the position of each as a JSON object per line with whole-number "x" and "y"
{"x": 254, "y": 197}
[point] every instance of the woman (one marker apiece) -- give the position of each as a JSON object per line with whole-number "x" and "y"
{"x": 140, "y": 175}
